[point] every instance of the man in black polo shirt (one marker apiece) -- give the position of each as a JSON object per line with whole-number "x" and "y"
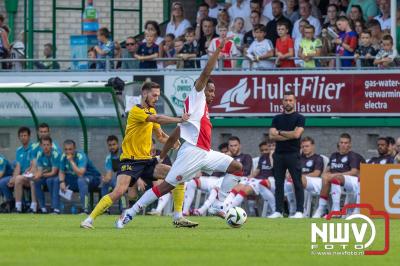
{"x": 277, "y": 12}
{"x": 286, "y": 130}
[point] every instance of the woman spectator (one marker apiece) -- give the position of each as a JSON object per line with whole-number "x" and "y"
{"x": 92, "y": 55}
{"x": 153, "y": 26}
{"x": 331, "y": 16}
{"x": 223, "y": 18}
{"x": 356, "y": 13}
{"x": 117, "y": 55}
{"x": 178, "y": 24}
{"x": 292, "y": 11}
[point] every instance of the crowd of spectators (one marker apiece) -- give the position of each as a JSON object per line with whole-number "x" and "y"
{"x": 355, "y": 28}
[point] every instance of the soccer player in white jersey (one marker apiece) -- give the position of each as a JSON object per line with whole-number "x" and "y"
{"x": 195, "y": 154}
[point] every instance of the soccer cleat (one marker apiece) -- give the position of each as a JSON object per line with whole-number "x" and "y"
{"x": 183, "y": 222}
{"x": 275, "y": 215}
{"x": 297, "y": 215}
{"x": 123, "y": 220}
{"x": 319, "y": 213}
{"x": 87, "y": 225}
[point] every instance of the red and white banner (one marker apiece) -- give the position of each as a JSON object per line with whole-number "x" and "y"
{"x": 317, "y": 94}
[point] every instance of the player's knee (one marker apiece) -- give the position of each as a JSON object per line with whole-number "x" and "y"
{"x": 19, "y": 180}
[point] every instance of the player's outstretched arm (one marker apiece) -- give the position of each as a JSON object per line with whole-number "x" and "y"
{"x": 173, "y": 138}
{"x": 164, "y": 120}
{"x": 205, "y": 74}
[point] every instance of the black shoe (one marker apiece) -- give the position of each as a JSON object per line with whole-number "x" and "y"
{"x": 31, "y": 211}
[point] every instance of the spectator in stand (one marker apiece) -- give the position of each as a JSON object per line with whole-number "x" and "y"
{"x": 223, "y": 18}
{"x": 178, "y": 47}
{"x": 202, "y": 13}
{"x": 6, "y": 173}
{"x": 229, "y": 49}
{"x": 18, "y": 52}
{"x": 368, "y": 7}
{"x": 305, "y": 13}
{"x": 297, "y": 41}
{"x": 148, "y": 51}
{"x": 277, "y": 12}
{"x": 236, "y": 32}
{"x": 4, "y": 44}
{"x": 48, "y": 54}
{"x": 105, "y": 48}
{"x": 359, "y": 27}
{"x": 241, "y": 9}
{"x": 178, "y": 24}
{"x": 331, "y": 17}
{"x": 356, "y": 14}
{"x": 384, "y": 16}
{"x": 131, "y": 47}
{"x": 292, "y": 12}
{"x": 255, "y": 5}
{"x": 376, "y": 32}
{"x": 315, "y": 11}
{"x": 398, "y": 29}
{"x": 284, "y": 48}
{"x": 214, "y": 8}
{"x": 169, "y": 50}
{"x": 189, "y": 49}
{"x": 342, "y": 10}
{"x": 310, "y": 47}
{"x": 78, "y": 173}
{"x": 117, "y": 55}
{"x": 261, "y": 49}
{"x": 249, "y": 36}
{"x": 92, "y": 55}
{"x": 267, "y": 10}
{"x": 152, "y": 25}
{"x": 397, "y": 157}
{"x": 347, "y": 42}
{"x": 207, "y": 34}
{"x": 392, "y": 146}
{"x": 387, "y": 54}
{"x": 48, "y": 161}
{"x": 366, "y": 49}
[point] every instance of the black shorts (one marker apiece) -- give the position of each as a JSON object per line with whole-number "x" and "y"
{"x": 138, "y": 168}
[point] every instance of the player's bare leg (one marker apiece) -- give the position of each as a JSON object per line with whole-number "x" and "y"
{"x": 323, "y": 198}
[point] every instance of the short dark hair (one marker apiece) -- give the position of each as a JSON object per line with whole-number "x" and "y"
{"x": 374, "y": 23}
{"x": 288, "y": 93}
{"x": 283, "y": 23}
{"x": 385, "y": 139}
{"x": 43, "y": 125}
{"x": 305, "y": 21}
{"x": 205, "y": 5}
{"x": 277, "y": 2}
{"x": 69, "y": 142}
{"x": 190, "y": 30}
{"x": 223, "y": 145}
{"x": 24, "y": 129}
{"x": 387, "y": 37}
{"x": 155, "y": 25}
{"x": 46, "y": 138}
{"x": 234, "y": 138}
{"x": 105, "y": 32}
{"x": 260, "y": 27}
{"x": 112, "y": 138}
{"x": 1, "y": 18}
{"x": 343, "y": 18}
{"x": 357, "y": 7}
{"x": 391, "y": 140}
{"x": 49, "y": 45}
{"x": 366, "y": 32}
{"x": 170, "y": 35}
{"x": 255, "y": 11}
{"x": 147, "y": 86}
{"x": 262, "y": 143}
{"x": 255, "y": 2}
{"x": 334, "y": 5}
{"x": 309, "y": 26}
{"x": 307, "y": 138}
{"x": 345, "y": 136}
{"x": 207, "y": 19}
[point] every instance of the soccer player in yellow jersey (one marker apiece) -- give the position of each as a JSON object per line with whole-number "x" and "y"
{"x": 136, "y": 162}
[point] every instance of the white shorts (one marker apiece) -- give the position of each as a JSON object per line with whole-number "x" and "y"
{"x": 192, "y": 159}
{"x": 207, "y": 183}
{"x": 255, "y": 184}
{"x": 351, "y": 184}
{"x": 314, "y": 184}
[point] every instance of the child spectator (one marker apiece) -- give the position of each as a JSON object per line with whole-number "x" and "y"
{"x": 260, "y": 49}
{"x": 105, "y": 48}
{"x": 310, "y": 47}
{"x": 117, "y": 55}
{"x": 365, "y": 49}
{"x": 169, "y": 49}
{"x": 148, "y": 51}
{"x": 92, "y": 55}
{"x": 178, "y": 46}
{"x": 229, "y": 48}
{"x": 347, "y": 42}
{"x": 297, "y": 41}
{"x": 189, "y": 49}
{"x": 236, "y": 32}
{"x": 387, "y": 54}
{"x": 284, "y": 46}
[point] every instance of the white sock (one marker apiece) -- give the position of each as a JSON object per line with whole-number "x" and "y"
{"x": 177, "y": 215}
{"x": 322, "y": 203}
{"x": 33, "y": 206}
{"x": 18, "y": 205}
{"x": 228, "y": 201}
{"x": 290, "y": 197}
{"x": 227, "y": 185}
{"x": 336, "y": 192}
{"x": 148, "y": 197}
{"x": 189, "y": 195}
{"x": 209, "y": 201}
{"x": 268, "y": 196}
{"x": 88, "y": 219}
{"x": 237, "y": 201}
{"x": 162, "y": 202}
{"x": 44, "y": 210}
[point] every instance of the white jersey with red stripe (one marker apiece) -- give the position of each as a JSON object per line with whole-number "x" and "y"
{"x": 197, "y": 130}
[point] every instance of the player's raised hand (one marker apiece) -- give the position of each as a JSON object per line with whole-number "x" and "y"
{"x": 177, "y": 145}
{"x": 185, "y": 117}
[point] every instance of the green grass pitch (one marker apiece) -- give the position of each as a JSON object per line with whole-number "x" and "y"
{"x": 30, "y": 240}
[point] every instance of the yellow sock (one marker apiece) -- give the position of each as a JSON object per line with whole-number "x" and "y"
{"x": 178, "y": 195}
{"x": 101, "y": 207}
